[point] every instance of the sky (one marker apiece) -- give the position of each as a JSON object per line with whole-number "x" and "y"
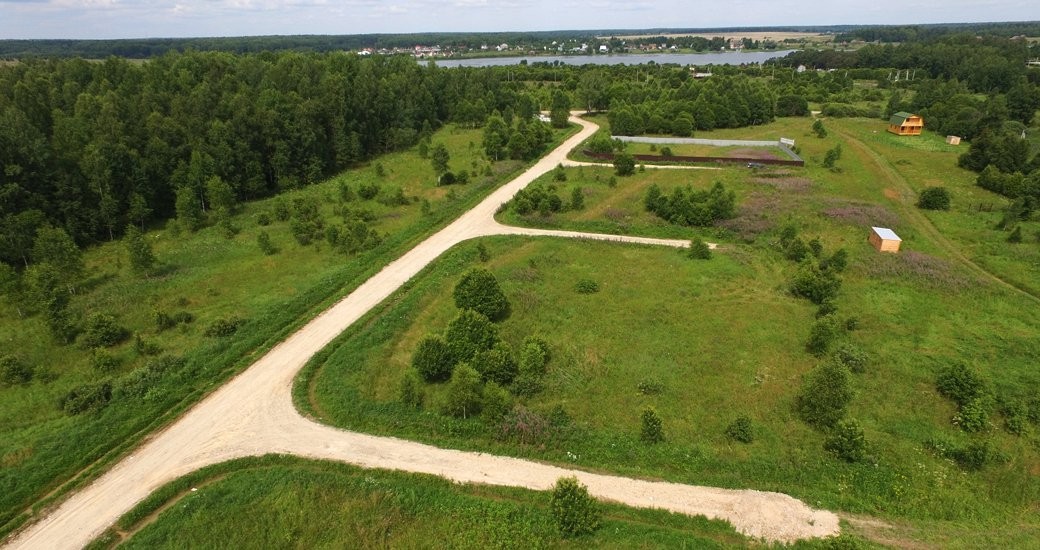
{"x": 189, "y": 18}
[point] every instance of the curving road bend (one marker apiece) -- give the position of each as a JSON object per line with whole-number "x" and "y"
{"x": 252, "y": 414}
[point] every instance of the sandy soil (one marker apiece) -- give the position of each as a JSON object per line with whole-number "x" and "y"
{"x": 253, "y": 415}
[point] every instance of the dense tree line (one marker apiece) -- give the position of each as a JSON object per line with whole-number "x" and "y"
{"x": 91, "y": 147}
{"x": 925, "y": 33}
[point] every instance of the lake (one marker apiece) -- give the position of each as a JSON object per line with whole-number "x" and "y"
{"x": 712, "y": 58}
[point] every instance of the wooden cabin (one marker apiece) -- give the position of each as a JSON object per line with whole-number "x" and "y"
{"x": 884, "y": 239}
{"x": 905, "y": 124}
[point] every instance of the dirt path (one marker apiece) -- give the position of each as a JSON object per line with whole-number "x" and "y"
{"x": 252, "y": 414}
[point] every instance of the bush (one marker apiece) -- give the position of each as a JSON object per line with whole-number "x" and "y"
{"x": 973, "y": 416}
{"x": 102, "y": 361}
{"x": 974, "y": 456}
{"x": 934, "y": 198}
{"x": 699, "y": 250}
{"x": 223, "y": 327}
{"x": 650, "y": 386}
{"x": 102, "y": 330}
{"x": 822, "y": 334}
{"x": 263, "y": 219}
{"x": 468, "y": 334}
{"x": 586, "y": 286}
{"x": 825, "y": 394}
{"x": 281, "y": 210}
{"x": 624, "y": 164}
{"x": 852, "y": 357}
{"x": 368, "y": 191}
{"x": 690, "y": 207}
{"x": 14, "y": 372}
{"x": 165, "y": 321}
{"x": 574, "y": 511}
{"x": 960, "y": 384}
{"x": 496, "y": 364}
{"x": 263, "y": 240}
{"x": 651, "y": 431}
{"x": 464, "y": 396}
{"x": 814, "y": 284}
{"x": 524, "y": 426}
{"x": 666, "y": 151}
{"x": 86, "y": 397}
{"x": 1016, "y": 235}
{"x": 433, "y": 360}
{"x": 741, "y": 430}
{"x": 847, "y": 442}
{"x": 138, "y": 382}
{"x": 496, "y": 403}
{"x": 479, "y": 290}
{"x": 818, "y": 129}
{"x": 411, "y": 390}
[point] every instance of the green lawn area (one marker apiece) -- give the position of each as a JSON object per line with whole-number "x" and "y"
{"x": 210, "y": 276}
{"x": 724, "y": 338}
{"x": 279, "y": 502}
{"x": 695, "y": 150}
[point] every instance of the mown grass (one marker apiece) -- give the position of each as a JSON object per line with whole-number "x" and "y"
{"x": 724, "y": 338}
{"x": 282, "y": 502}
{"x": 212, "y": 277}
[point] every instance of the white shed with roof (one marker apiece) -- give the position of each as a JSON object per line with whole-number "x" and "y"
{"x": 884, "y": 239}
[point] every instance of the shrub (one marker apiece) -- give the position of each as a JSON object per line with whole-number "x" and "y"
{"x": 102, "y": 330}
{"x": 411, "y": 390}
{"x": 666, "y": 151}
{"x": 138, "y": 382}
{"x": 281, "y": 210}
{"x": 577, "y": 199}
{"x": 464, "y": 392}
{"x": 847, "y": 442}
{"x": 973, "y": 416}
{"x": 103, "y": 361}
{"x": 822, "y": 334}
{"x": 796, "y": 250}
{"x": 433, "y": 360}
{"x": 974, "y": 456}
{"x": 86, "y": 397}
{"x": 496, "y": 364}
{"x": 825, "y": 394}
{"x": 650, "y": 386}
{"x": 690, "y": 207}
{"x": 479, "y": 290}
{"x": 624, "y": 164}
{"x": 818, "y": 129}
{"x": 960, "y": 384}
{"x": 651, "y": 431}
{"x": 263, "y": 219}
{"x": 524, "y": 426}
{"x": 741, "y": 430}
{"x": 223, "y": 327}
{"x": 263, "y": 240}
{"x": 368, "y": 191}
{"x": 852, "y": 357}
{"x": 573, "y": 510}
{"x": 468, "y": 334}
{"x": 1016, "y": 235}
{"x": 934, "y": 198}
{"x": 559, "y": 174}
{"x": 14, "y": 372}
{"x": 699, "y": 250}
{"x": 814, "y": 284}
{"x": 496, "y": 403}
{"x": 586, "y": 286}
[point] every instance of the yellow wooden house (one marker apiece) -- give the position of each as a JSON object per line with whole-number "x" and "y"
{"x": 905, "y": 124}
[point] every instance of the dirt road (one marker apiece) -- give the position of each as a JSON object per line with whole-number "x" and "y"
{"x": 253, "y": 415}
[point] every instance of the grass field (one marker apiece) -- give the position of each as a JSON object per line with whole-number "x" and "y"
{"x": 724, "y": 338}
{"x": 279, "y": 502}
{"x": 210, "y": 276}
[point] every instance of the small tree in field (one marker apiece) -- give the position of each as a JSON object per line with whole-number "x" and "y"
{"x": 478, "y": 290}
{"x": 825, "y": 394}
{"x": 699, "y": 250}
{"x": 651, "y": 432}
{"x": 847, "y": 442}
{"x": 573, "y": 510}
{"x": 818, "y": 129}
{"x": 433, "y": 360}
{"x": 934, "y": 198}
{"x": 465, "y": 394}
{"x": 624, "y": 164}
{"x": 141, "y": 257}
{"x": 411, "y": 389}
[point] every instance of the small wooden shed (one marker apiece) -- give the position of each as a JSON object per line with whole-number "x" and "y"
{"x": 905, "y": 124}
{"x": 884, "y": 239}
{"x": 953, "y": 140}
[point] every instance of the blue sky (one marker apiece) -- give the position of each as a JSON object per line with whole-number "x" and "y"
{"x": 178, "y": 18}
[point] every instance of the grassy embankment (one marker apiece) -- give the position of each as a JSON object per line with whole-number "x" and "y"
{"x": 277, "y": 502}
{"x": 718, "y": 339}
{"x": 211, "y": 276}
